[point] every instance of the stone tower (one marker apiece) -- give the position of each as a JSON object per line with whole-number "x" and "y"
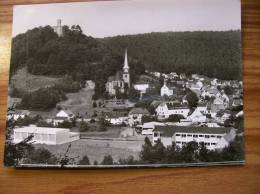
{"x": 126, "y": 73}
{"x": 59, "y": 28}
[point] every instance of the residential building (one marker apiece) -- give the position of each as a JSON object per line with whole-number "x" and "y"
{"x": 18, "y": 114}
{"x": 135, "y": 115}
{"x": 117, "y": 117}
{"x": 147, "y": 128}
{"x": 164, "y": 110}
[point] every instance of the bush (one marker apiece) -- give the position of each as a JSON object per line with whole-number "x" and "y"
{"x": 83, "y": 126}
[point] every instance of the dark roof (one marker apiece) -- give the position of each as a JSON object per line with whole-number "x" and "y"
{"x": 139, "y": 111}
{"x": 116, "y": 114}
{"x": 168, "y": 131}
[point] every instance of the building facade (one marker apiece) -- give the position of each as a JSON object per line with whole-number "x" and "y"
{"x": 213, "y": 138}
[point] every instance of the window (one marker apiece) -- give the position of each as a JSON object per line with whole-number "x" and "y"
{"x": 155, "y": 134}
{"x": 195, "y": 136}
{"x": 213, "y": 143}
{"x": 201, "y": 135}
{"x": 206, "y": 136}
{"x": 183, "y": 135}
{"x": 178, "y": 142}
{"x": 189, "y": 135}
{"x": 219, "y": 137}
{"x": 177, "y": 134}
{"x": 212, "y": 136}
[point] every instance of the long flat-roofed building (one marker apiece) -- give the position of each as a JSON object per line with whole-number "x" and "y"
{"x": 212, "y": 137}
{"x": 45, "y": 135}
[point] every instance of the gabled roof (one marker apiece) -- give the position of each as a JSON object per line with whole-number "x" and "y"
{"x": 139, "y": 111}
{"x": 168, "y": 131}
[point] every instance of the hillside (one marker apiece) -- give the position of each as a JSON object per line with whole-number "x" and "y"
{"x": 215, "y": 54}
{"x": 81, "y": 57}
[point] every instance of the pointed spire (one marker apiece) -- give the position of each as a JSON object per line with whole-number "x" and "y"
{"x": 126, "y": 61}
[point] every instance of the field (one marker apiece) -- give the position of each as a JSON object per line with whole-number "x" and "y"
{"x": 25, "y": 81}
{"x": 97, "y": 149}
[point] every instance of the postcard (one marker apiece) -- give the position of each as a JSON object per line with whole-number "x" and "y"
{"x": 134, "y": 83}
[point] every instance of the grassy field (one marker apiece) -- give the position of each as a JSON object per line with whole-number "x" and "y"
{"x": 80, "y": 102}
{"x": 25, "y": 81}
{"x": 97, "y": 149}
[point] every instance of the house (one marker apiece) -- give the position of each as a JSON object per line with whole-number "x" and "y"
{"x": 215, "y": 108}
{"x": 45, "y": 135}
{"x": 120, "y": 81}
{"x": 237, "y": 102}
{"x": 182, "y": 76}
{"x": 210, "y": 92}
{"x": 202, "y": 107}
{"x": 167, "y": 91}
{"x": 147, "y": 128}
{"x": 135, "y": 115}
{"x": 63, "y": 115}
{"x": 90, "y": 84}
{"x": 164, "y": 110}
{"x": 18, "y": 114}
{"x": 214, "y": 82}
{"x": 117, "y": 117}
{"x": 141, "y": 87}
{"x": 197, "y": 117}
{"x": 213, "y": 138}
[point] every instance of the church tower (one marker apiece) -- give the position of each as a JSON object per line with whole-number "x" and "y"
{"x": 126, "y": 74}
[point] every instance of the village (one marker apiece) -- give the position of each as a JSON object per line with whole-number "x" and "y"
{"x": 167, "y": 107}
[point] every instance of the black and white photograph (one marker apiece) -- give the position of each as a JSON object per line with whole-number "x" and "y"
{"x": 127, "y": 83}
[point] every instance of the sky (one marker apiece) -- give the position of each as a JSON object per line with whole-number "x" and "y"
{"x": 110, "y": 18}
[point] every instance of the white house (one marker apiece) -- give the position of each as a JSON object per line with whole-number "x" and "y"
{"x": 44, "y": 135}
{"x": 116, "y": 118}
{"x": 147, "y": 128}
{"x": 90, "y": 84}
{"x": 18, "y": 114}
{"x": 63, "y": 115}
{"x": 164, "y": 110}
{"x": 197, "y": 117}
{"x": 166, "y": 91}
{"x": 135, "y": 116}
{"x": 213, "y": 138}
{"x": 141, "y": 87}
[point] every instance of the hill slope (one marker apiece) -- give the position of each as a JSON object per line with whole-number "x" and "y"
{"x": 216, "y": 54}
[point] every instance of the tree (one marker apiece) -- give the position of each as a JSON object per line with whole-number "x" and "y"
{"x": 146, "y": 151}
{"x": 14, "y": 153}
{"x": 84, "y": 161}
{"x": 192, "y": 99}
{"x": 108, "y": 160}
{"x": 175, "y": 118}
{"x": 146, "y": 118}
{"x": 94, "y": 104}
{"x": 83, "y": 126}
{"x": 42, "y": 156}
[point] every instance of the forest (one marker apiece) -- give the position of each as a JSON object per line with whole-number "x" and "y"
{"x": 210, "y": 53}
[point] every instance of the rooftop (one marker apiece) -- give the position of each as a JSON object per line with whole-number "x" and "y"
{"x": 168, "y": 131}
{"x": 44, "y": 130}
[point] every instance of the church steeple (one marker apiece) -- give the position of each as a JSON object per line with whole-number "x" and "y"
{"x": 126, "y": 74}
{"x": 126, "y": 67}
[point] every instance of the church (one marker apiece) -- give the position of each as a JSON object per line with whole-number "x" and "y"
{"x": 120, "y": 81}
